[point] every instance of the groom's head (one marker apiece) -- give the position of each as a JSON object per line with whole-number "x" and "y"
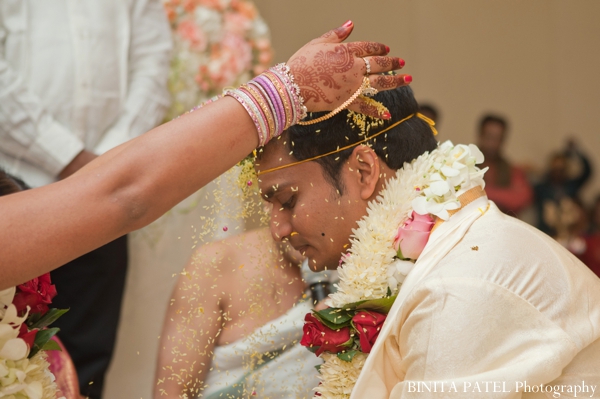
{"x": 317, "y": 203}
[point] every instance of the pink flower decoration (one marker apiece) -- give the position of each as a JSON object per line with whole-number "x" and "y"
{"x": 189, "y": 31}
{"x": 413, "y": 236}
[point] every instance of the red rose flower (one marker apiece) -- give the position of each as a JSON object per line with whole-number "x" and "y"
{"x": 316, "y": 334}
{"x": 368, "y": 324}
{"x": 27, "y": 336}
{"x": 36, "y": 293}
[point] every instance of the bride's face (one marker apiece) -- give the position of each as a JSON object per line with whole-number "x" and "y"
{"x": 307, "y": 210}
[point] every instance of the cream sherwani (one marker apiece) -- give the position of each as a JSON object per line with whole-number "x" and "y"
{"x": 490, "y": 299}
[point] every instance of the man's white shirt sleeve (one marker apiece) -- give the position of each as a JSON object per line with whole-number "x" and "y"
{"x": 27, "y": 128}
{"x": 149, "y": 61}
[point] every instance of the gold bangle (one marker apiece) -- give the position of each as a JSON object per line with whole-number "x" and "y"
{"x": 346, "y": 104}
{"x": 260, "y": 100}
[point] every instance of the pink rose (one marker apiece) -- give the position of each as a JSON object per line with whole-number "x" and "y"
{"x": 368, "y": 324}
{"x": 413, "y": 236}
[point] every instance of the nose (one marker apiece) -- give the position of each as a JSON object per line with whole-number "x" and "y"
{"x": 280, "y": 225}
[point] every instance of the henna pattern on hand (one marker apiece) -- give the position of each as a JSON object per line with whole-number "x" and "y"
{"x": 388, "y": 81}
{"x": 388, "y": 63}
{"x": 326, "y": 65}
{"x": 368, "y": 108}
{"x": 307, "y": 79}
{"x": 364, "y": 49}
{"x": 332, "y": 62}
{"x": 322, "y": 74}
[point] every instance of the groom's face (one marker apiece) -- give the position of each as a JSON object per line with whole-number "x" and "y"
{"x": 307, "y": 210}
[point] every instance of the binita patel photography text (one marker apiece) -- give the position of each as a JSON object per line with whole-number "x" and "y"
{"x": 475, "y": 387}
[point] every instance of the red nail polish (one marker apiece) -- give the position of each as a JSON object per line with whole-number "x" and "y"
{"x": 347, "y": 24}
{"x": 402, "y": 63}
{"x": 386, "y": 115}
{"x": 387, "y": 49}
{"x": 407, "y": 79}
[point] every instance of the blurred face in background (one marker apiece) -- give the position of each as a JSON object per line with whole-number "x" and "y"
{"x": 596, "y": 214}
{"x": 558, "y": 168}
{"x": 491, "y": 139}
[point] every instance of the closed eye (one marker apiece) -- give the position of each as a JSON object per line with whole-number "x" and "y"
{"x": 290, "y": 203}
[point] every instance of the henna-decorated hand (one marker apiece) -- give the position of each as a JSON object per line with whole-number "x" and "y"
{"x": 329, "y": 71}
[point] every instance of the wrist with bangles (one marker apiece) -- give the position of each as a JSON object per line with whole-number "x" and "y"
{"x": 274, "y": 103}
{"x": 272, "y": 100}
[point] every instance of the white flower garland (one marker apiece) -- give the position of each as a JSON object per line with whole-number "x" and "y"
{"x": 20, "y": 377}
{"x": 430, "y": 184}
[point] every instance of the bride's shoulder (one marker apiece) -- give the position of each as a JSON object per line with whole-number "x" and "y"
{"x": 246, "y": 252}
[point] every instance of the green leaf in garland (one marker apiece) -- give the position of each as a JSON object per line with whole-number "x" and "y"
{"x": 41, "y": 339}
{"x": 335, "y": 318}
{"x": 32, "y": 319}
{"x": 399, "y": 254}
{"x": 51, "y": 346}
{"x": 348, "y": 355}
{"x": 50, "y": 317}
{"x": 318, "y": 367}
{"x": 381, "y": 305}
{"x": 313, "y": 348}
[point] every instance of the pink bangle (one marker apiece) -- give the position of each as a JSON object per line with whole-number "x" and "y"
{"x": 272, "y": 100}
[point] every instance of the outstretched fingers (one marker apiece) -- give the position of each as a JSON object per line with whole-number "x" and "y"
{"x": 388, "y": 82}
{"x": 367, "y": 49}
{"x": 381, "y": 64}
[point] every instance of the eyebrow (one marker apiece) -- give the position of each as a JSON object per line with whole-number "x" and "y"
{"x": 271, "y": 190}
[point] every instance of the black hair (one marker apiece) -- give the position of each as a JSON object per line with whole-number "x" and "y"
{"x": 487, "y": 118}
{"x": 10, "y": 184}
{"x": 401, "y": 144}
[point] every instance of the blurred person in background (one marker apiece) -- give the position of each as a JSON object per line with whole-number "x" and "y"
{"x": 216, "y": 45}
{"x": 559, "y": 184}
{"x": 78, "y": 78}
{"x": 591, "y": 255}
{"x": 506, "y": 184}
{"x": 569, "y": 221}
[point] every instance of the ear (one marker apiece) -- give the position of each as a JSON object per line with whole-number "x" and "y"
{"x": 364, "y": 164}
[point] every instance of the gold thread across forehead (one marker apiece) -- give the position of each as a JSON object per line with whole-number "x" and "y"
{"x": 419, "y": 115}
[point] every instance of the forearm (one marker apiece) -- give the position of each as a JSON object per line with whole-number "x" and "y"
{"x": 113, "y": 195}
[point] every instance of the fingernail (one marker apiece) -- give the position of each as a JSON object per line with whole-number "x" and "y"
{"x": 347, "y": 24}
{"x": 387, "y": 49}
{"x": 407, "y": 79}
{"x": 402, "y": 63}
{"x": 386, "y": 115}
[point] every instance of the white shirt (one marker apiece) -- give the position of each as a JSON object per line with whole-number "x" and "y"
{"x": 490, "y": 300}
{"x": 78, "y": 74}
